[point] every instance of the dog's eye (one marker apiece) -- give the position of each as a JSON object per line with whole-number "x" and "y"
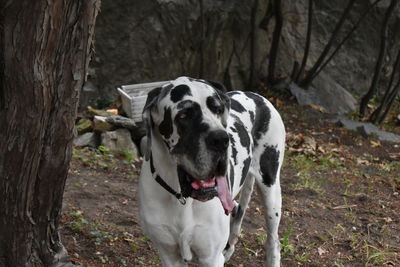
{"x": 219, "y": 111}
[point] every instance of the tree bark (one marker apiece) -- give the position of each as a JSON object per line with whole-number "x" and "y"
{"x": 44, "y": 56}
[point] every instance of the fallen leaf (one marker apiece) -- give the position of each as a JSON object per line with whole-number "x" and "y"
{"x": 362, "y": 162}
{"x": 387, "y": 219}
{"x": 375, "y": 143}
{"x": 319, "y": 108}
{"x": 321, "y": 251}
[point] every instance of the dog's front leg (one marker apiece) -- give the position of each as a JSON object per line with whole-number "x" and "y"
{"x": 214, "y": 261}
{"x": 170, "y": 256}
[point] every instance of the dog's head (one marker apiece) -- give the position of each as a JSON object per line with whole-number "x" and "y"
{"x": 190, "y": 117}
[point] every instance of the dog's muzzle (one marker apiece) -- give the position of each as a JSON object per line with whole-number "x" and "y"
{"x": 204, "y": 190}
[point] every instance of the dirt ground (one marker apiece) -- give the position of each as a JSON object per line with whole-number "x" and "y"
{"x": 341, "y": 202}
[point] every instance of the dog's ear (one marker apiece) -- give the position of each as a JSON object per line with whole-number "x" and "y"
{"x": 217, "y": 86}
{"x": 221, "y": 91}
{"x": 152, "y": 99}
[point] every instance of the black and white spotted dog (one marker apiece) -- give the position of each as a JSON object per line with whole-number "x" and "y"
{"x": 204, "y": 146}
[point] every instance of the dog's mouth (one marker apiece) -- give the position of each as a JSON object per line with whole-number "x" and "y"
{"x": 206, "y": 189}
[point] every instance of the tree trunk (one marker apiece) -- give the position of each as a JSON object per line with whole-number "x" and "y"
{"x": 44, "y": 56}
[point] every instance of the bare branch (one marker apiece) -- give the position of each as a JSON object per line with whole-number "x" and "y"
{"x": 378, "y": 67}
{"x": 308, "y": 41}
{"x": 275, "y": 40}
{"x": 308, "y": 79}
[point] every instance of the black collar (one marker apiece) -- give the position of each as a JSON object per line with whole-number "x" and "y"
{"x": 160, "y": 181}
{"x": 179, "y": 196}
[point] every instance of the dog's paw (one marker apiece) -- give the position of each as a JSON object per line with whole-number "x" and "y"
{"x": 228, "y": 251}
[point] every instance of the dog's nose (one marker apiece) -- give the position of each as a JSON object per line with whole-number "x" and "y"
{"x": 217, "y": 140}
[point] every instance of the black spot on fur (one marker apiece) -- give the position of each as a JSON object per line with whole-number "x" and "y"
{"x": 276, "y": 214}
{"x": 179, "y": 92}
{"x": 245, "y": 170}
{"x": 262, "y": 116}
{"x": 269, "y": 163}
{"x": 236, "y": 106}
{"x": 165, "y": 126}
{"x": 215, "y": 105}
{"x": 243, "y": 135}
{"x": 234, "y": 150}
{"x": 227, "y": 246}
{"x": 232, "y": 175}
{"x": 251, "y": 116}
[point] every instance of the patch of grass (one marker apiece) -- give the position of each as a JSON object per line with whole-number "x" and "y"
{"x": 78, "y": 222}
{"x": 302, "y": 163}
{"x": 286, "y": 245}
{"x": 92, "y": 158}
{"x": 303, "y": 257}
{"x": 261, "y": 239}
{"x": 325, "y": 163}
{"x": 126, "y": 156}
{"x": 306, "y": 182}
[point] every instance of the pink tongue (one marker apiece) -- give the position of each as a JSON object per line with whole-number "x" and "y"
{"x": 224, "y": 195}
{"x": 203, "y": 183}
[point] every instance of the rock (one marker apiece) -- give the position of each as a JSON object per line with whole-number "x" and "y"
{"x": 84, "y": 126}
{"x": 119, "y": 140}
{"x": 367, "y": 129}
{"x": 122, "y": 122}
{"x": 86, "y": 139}
{"x": 137, "y": 129}
{"x": 99, "y": 112}
{"x": 325, "y": 92}
{"x": 101, "y": 125}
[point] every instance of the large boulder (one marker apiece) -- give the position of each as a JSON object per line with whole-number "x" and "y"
{"x": 87, "y": 139}
{"x": 327, "y": 93}
{"x": 120, "y": 141}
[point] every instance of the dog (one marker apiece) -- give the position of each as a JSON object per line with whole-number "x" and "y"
{"x": 205, "y": 145}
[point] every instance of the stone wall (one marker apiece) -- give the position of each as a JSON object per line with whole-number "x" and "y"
{"x": 151, "y": 40}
